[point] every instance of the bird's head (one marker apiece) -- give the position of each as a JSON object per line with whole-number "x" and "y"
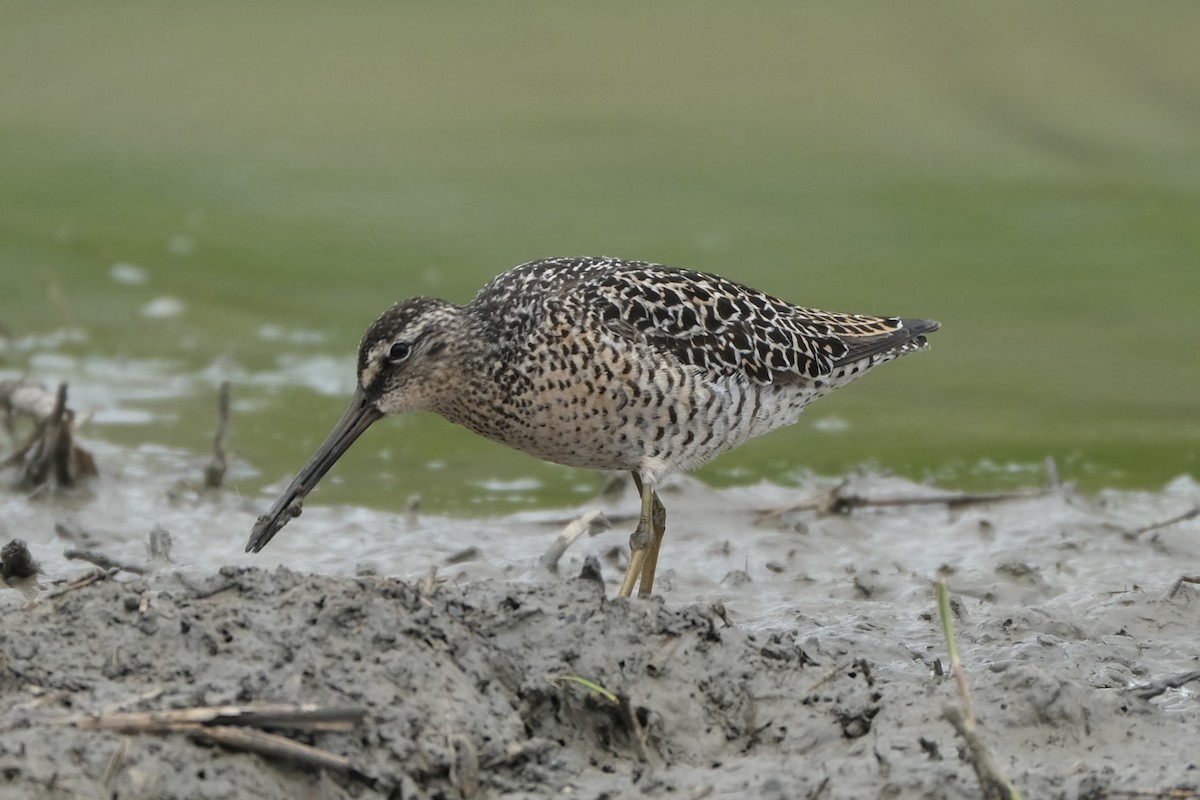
{"x": 402, "y": 366}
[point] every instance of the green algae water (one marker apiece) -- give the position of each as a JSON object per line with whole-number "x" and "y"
{"x": 208, "y": 193}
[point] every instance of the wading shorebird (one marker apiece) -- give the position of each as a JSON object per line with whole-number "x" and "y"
{"x": 605, "y": 364}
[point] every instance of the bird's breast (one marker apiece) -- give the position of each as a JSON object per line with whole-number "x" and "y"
{"x": 608, "y": 405}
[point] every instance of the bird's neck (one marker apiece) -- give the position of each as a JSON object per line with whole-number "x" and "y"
{"x": 485, "y": 380}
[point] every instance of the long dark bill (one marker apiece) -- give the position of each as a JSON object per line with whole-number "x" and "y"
{"x": 358, "y": 417}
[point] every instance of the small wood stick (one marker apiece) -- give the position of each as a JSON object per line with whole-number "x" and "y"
{"x": 306, "y": 717}
{"x": 214, "y": 473}
{"x": 102, "y": 561}
{"x": 591, "y": 523}
{"x": 994, "y": 784}
{"x": 1153, "y": 526}
{"x": 839, "y": 503}
{"x": 272, "y": 746}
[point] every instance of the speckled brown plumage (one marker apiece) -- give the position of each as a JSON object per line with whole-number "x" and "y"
{"x": 607, "y": 364}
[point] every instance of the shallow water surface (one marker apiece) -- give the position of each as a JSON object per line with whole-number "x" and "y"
{"x": 169, "y": 219}
{"x": 735, "y": 545}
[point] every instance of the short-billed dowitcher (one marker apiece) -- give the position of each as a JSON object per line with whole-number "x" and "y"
{"x": 606, "y": 364}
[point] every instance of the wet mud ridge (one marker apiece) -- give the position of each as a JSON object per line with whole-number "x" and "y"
{"x": 495, "y": 689}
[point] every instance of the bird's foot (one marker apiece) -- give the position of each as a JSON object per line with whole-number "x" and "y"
{"x": 639, "y": 545}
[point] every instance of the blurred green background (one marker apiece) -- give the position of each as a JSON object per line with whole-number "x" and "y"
{"x": 1027, "y": 173}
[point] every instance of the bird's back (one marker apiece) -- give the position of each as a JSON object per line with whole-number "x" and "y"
{"x": 618, "y": 364}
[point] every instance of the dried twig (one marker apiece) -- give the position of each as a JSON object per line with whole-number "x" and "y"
{"x": 214, "y": 473}
{"x": 828, "y": 676}
{"x": 1148, "y": 794}
{"x": 1153, "y": 526}
{"x": 45, "y": 444}
{"x": 658, "y": 662}
{"x": 471, "y": 553}
{"x": 427, "y": 587}
{"x": 837, "y": 502}
{"x": 305, "y": 716}
{"x": 960, "y": 674}
{"x": 116, "y": 762}
{"x": 591, "y": 523}
{"x": 103, "y": 561}
{"x": 640, "y": 734}
{"x": 51, "y": 448}
{"x": 158, "y": 553}
{"x": 994, "y": 784}
{"x": 235, "y": 727}
{"x": 272, "y": 746}
{"x": 86, "y": 580}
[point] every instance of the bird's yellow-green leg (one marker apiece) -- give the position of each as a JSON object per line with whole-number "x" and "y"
{"x": 641, "y": 540}
{"x": 659, "y": 520}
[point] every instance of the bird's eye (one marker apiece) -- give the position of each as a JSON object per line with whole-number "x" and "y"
{"x": 399, "y": 352}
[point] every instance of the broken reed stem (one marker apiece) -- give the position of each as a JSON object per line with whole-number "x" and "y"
{"x": 86, "y": 580}
{"x": 102, "y": 561}
{"x": 214, "y": 473}
{"x": 58, "y": 438}
{"x": 590, "y": 523}
{"x": 994, "y": 784}
{"x": 960, "y": 675}
{"x": 302, "y": 717}
{"x": 834, "y": 502}
{"x": 1153, "y": 526}
{"x": 828, "y": 676}
{"x": 50, "y": 450}
{"x": 270, "y": 745}
{"x": 238, "y": 728}
{"x": 46, "y": 443}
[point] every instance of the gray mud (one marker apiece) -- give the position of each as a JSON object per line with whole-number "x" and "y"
{"x": 790, "y": 655}
{"x": 463, "y": 684}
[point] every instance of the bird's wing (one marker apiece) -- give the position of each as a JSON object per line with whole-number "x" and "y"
{"x": 729, "y": 329}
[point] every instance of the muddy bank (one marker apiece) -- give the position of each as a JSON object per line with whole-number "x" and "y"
{"x": 467, "y": 692}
